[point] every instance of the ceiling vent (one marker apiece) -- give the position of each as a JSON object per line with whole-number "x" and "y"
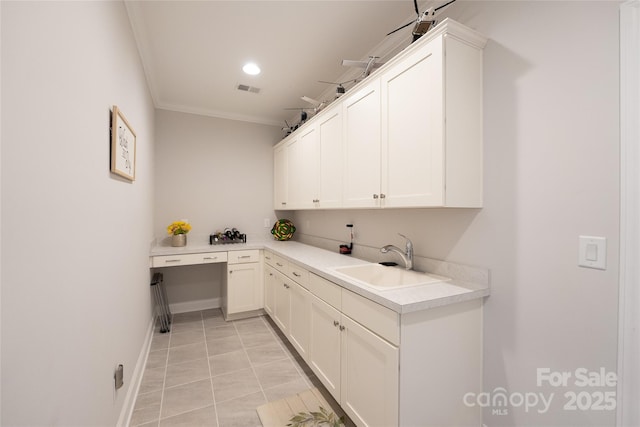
{"x": 247, "y": 88}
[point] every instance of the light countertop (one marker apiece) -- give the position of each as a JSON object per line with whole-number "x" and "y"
{"x": 322, "y": 262}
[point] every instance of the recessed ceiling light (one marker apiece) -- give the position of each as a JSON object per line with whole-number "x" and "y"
{"x": 251, "y": 69}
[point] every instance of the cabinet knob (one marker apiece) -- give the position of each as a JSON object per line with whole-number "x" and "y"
{"x": 316, "y": 200}
{"x": 286, "y": 286}
{"x": 342, "y": 327}
{"x": 336, "y": 323}
{"x": 375, "y": 196}
{"x": 382, "y": 195}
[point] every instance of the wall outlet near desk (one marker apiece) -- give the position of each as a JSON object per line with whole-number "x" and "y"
{"x": 118, "y": 376}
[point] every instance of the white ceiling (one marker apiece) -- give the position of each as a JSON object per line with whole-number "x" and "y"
{"x": 193, "y": 51}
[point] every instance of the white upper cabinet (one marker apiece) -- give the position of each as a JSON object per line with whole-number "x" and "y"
{"x": 410, "y": 135}
{"x": 331, "y": 158}
{"x": 280, "y": 167}
{"x": 361, "y": 111}
{"x": 412, "y": 130}
{"x": 302, "y": 158}
{"x": 432, "y": 126}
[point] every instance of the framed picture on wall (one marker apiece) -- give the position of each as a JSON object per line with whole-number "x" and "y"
{"x": 123, "y": 146}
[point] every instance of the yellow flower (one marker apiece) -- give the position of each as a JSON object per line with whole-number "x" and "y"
{"x": 178, "y": 227}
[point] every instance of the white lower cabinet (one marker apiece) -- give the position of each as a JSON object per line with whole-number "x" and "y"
{"x": 383, "y": 368}
{"x": 300, "y": 302}
{"x": 358, "y": 367}
{"x": 369, "y": 376}
{"x": 269, "y": 289}
{"x": 324, "y": 345}
{"x": 282, "y": 306}
{"x": 242, "y": 290}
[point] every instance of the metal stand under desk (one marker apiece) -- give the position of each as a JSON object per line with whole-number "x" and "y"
{"x": 162, "y": 304}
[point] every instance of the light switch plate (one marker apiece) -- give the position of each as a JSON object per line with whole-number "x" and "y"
{"x": 592, "y": 252}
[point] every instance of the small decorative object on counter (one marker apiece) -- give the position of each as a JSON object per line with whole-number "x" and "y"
{"x": 346, "y": 249}
{"x": 283, "y": 229}
{"x": 178, "y": 231}
{"x": 230, "y": 235}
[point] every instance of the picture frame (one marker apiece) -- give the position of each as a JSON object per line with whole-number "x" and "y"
{"x": 123, "y": 146}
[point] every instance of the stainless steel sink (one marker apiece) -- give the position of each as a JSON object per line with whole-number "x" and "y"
{"x": 382, "y": 278}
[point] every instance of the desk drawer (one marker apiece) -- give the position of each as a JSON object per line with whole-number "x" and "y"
{"x": 188, "y": 259}
{"x": 238, "y": 257}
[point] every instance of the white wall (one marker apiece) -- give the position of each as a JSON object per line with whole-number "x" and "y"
{"x": 551, "y": 134}
{"x": 75, "y": 238}
{"x": 216, "y": 173}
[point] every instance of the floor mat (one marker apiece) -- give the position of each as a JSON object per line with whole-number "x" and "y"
{"x": 280, "y": 412}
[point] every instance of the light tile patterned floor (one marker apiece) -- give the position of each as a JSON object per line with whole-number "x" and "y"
{"x": 209, "y": 372}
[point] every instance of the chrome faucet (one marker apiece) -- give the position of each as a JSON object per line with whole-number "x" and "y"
{"x": 407, "y": 255}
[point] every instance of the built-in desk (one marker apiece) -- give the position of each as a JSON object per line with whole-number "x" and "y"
{"x": 242, "y": 285}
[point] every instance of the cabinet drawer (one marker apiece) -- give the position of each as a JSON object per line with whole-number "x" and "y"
{"x": 269, "y": 258}
{"x": 381, "y": 320}
{"x": 237, "y": 257}
{"x": 325, "y": 290}
{"x": 188, "y": 259}
{"x": 279, "y": 263}
{"x": 298, "y": 274}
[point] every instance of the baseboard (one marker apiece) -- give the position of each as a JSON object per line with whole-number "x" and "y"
{"x": 187, "y": 306}
{"x": 136, "y": 378}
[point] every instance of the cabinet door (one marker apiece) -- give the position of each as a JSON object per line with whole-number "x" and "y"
{"x": 369, "y": 376}
{"x": 412, "y": 129}
{"x": 324, "y": 345}
{"x": 281, "y": 310}
{"x": 302, "y": 174}
{"x": 280, "y": 177}
{"x": 331, "y": 158}
{"x": 269, "y": 289}
{"x": 362, "y": 147}
{"x": 244, "y": 288}
{"x": 299, "y": 329}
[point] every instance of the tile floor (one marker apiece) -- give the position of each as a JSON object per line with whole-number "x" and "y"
{"x": 214, "y": 373}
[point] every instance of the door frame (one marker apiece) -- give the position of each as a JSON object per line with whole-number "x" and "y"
{"x": 628, "y": 393}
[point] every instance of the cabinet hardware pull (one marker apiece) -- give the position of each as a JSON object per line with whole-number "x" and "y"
{"x": 316, "y": 200}
{"x": 210, "y": 257}
{"x": 375, "y": 196}
{"x": 173, "y": 260}
{"x": 279, "y": 265}
{"x": 336, "y": 323}
{"x": 283, "y": 203}
{"x": 296, "y": 274}
{"x": 230, "y": 271}
{"x": 267, "y": 257}
{"x": 286, "y": 286}
{"x": 342, "y": 327}
{"x": 271, "y": 274}
{"x": 382, "y": 195}
{"x": 244, "y": 256}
